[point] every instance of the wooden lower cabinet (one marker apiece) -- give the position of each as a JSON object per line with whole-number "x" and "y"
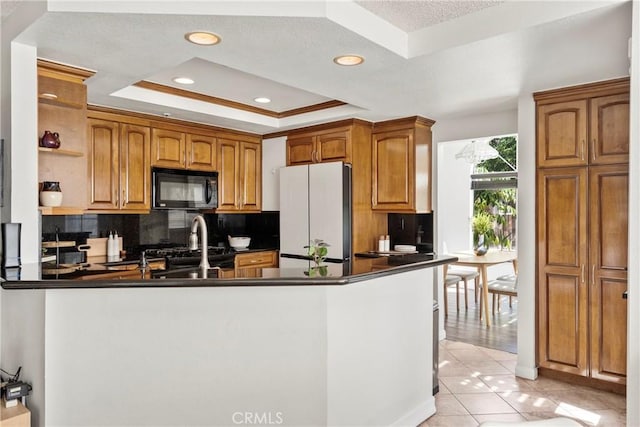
{"x": 251, "y": 264}
{"x": 256, "y": 259}
{"x": 608, "y": 187}
{"x": 582, "y": 271}
{"x": 562, "y": 289}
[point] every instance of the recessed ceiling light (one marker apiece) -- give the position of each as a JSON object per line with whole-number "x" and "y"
{"x": 183, "y": 80}
{"x": 348, "y": 60}
{"x": 262, "y": 100}
{"x": 203, "y": 38}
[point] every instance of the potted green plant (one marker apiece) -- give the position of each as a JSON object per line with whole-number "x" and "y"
{"x": 317, "y": 250}
{"x": 482, "y": 226}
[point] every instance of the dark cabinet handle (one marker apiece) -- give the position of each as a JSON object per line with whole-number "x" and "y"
{"x": 624, "y": 295}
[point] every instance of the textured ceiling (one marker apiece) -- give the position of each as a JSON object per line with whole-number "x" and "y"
{"x": 414, "y": 15}
{"x": 7, "y": 7}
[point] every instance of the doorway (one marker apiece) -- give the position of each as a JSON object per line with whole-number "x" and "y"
{"x": 475, "y": 182}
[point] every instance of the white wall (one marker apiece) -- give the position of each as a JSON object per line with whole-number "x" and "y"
{"x": 455, "y": 203}
{"x": 273, "y": 158}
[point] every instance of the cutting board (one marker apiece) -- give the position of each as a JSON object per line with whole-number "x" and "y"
{"x": 99, "y": 246}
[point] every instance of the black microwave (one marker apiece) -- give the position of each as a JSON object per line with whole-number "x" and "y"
{"x": 184, "y": 189}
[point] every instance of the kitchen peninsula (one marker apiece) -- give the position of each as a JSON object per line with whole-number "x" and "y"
{"x": 349, "y": 348}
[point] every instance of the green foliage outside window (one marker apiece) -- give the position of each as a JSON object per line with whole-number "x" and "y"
{"x": 500, "y": 205}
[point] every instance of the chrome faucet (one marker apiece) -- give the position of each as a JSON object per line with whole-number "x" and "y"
{"x": 193, "y": 240}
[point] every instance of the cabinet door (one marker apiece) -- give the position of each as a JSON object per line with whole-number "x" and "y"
{"x": 201, "y": 153}
{"x": 333, "y": 147}
{"x": 102, "y": 136}
{"x": 250, "y": 177}
{"x": 608, "y": 192}
{"x": 228, "y": 171}
{"x": 167, "y": 148}
{"x": 264, "y": 259}
{"x": 300, "y": 150}
{"x": 562, "y": 133}
{"x": 135, "y": 167}
{"x": 562, "y": 262}
{"x": 609, "y": 121}
{"x": 393, "y": 170}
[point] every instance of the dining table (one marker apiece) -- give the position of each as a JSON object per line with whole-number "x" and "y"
{"x": 481, "y": 263}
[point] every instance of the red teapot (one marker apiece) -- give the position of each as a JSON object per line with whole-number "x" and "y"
{"x": 50, "y": 139}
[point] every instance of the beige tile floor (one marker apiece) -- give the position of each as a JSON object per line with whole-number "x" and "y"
{"x": 478, "y": 384}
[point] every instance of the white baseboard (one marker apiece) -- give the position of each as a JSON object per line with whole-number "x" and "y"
{"x": 418, "y": 414}
{"x": 527, "y": 372}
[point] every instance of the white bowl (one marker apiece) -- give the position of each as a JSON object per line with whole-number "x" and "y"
{"x": 239, "y": 242}
{"x": 50, "y": 198}
{"x": 404, "y": 248}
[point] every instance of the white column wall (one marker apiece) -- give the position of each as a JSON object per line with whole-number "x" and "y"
{"x": 526, "y": 366}
{"x": 24, "y": 149}
{"x": 633, "y": 286}
{"x": 273, "y": 158}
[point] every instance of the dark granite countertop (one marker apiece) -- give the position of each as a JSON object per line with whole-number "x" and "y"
{"x": 357, "y": 270}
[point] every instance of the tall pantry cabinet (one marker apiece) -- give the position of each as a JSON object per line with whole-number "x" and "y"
{"x": 582, "y": 216}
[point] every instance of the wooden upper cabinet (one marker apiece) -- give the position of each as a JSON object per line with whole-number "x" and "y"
{"x": 562, "y": 134}
{"x": 119, "y": 166}
{"x": 135, "y": 167}
{"x": 608, "y": 190}
{"x": 300, "y": 150}
{"x": 401, "y": 166}
{"x": 103, "y": 138}
{"x": 320, "y": 146}
{"x": 201, "y": 153}
{"x": 583, "y": 125}
{"x": 609, "y": 128}
{"x": 562, "y": 270}
{"x": 393, "y": 169}
{"x": 168, "y": 148}
{"x": 239, "y": 176}
{"x": 250, "y": 177}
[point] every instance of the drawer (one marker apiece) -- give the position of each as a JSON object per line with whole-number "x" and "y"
{"x": 257, "y": 259}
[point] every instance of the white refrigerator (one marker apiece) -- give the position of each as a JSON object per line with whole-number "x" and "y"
{"x": 315, "y": 203}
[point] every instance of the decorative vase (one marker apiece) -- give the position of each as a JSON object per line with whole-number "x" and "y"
{"x": 50, "y": 140}
{"x": 51, "y": 194}
{"x": 480, "y": 248}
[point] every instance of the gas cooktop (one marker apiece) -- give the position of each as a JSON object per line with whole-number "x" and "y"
{"x": 182, "y": 256}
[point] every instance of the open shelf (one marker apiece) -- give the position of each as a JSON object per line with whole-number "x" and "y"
{"x": 61, "y": 210}
{"x": 61, "y": 152}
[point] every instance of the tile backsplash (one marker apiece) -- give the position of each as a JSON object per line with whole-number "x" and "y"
{"x": 170, "y": 227}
